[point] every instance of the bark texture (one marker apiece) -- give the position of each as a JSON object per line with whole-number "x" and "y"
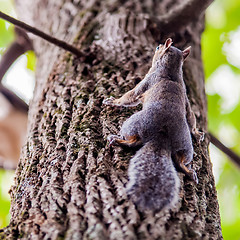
{"x": 69, "y": 183}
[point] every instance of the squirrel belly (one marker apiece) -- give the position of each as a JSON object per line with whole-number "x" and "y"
{"x": 153, "y": 180}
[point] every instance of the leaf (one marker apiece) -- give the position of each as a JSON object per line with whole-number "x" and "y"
{"x": 4, "y": 203}
{"x": 31, "y": 60}
{"x": 214, "y": 112}
{"x": 215, "y": 35}
{"x": 7, "y": 34}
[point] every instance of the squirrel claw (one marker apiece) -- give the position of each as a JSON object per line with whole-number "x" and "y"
{"x": 112, "y": 140}
{"x": 199, "y": 136}
{"x": 109, "y": 101}
{"x": 194, "y": 176}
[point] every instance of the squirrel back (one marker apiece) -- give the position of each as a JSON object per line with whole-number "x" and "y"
{"x": 165, "y": 92}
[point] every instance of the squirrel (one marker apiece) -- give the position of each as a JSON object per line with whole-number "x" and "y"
{"x": 163, "y": 128}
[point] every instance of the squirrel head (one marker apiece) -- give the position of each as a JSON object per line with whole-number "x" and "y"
{"x": 167, "y": 54}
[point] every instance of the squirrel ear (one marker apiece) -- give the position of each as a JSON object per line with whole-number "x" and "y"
{"x": 186, "y": 52}
{"x": 168, "y": 44}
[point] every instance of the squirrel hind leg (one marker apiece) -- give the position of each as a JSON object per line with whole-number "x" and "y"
{"x": 130, "y": 141}
{"x": 182, "y": 162}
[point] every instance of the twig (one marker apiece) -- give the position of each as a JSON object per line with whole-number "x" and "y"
{"x": 181, "y": 16}
{"x": 226, "y": 150}
{"x": 41, "y": 34}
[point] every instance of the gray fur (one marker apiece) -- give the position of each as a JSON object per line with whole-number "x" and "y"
{"x": 153, "y": 181}
{"x": 163, "y": 127}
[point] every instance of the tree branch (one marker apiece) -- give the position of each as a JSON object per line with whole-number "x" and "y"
{"x": 21, "y": 44}
{"x": 226, "y": 150}
{"x": 41, "y": 34}
{"x": 16, "y": 101}
{"x": 181, "y": 15}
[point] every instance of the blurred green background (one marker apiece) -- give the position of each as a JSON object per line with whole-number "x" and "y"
{"x": 221, "y": 57}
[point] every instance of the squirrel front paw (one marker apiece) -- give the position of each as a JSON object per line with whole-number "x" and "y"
{"x": 110, "y": 101}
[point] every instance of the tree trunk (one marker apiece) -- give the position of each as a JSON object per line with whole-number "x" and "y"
{"x": 69, "y": 183}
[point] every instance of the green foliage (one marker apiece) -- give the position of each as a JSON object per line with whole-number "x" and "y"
{"x": 6, "y": 179}
{"x": 228, "y": 193}
{"x": 222, "y": 21}
{"x": 31, "y": 60}
{"x": 6, "y": 29}
{"x": 214, "y": 111}
{"x": 6, "y": 34}
{"x": 222, "y": 18}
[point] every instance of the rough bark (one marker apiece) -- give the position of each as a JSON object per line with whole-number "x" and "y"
{"x": 69, "y": 183}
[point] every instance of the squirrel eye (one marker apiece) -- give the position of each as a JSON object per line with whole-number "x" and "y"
{"x": 157, "y": 48}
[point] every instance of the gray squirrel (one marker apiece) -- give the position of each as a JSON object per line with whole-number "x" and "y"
{"x": 163, "y": 127}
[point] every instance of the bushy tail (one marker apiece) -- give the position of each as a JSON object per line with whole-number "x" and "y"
{"x": 153, "y": 180}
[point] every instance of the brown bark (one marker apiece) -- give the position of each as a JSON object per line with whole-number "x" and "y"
{"x": 69, "y": 183}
